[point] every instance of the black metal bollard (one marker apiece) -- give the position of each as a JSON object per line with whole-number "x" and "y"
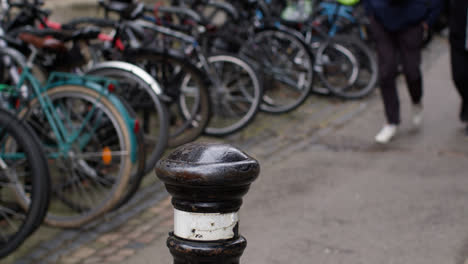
{"x": 207, "y": 183}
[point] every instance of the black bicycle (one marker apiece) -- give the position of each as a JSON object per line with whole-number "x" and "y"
{"x": 23, "y": 173}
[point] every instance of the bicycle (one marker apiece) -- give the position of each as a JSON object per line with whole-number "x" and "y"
{"x": 236, "y": 89}
{"x": 181, "y": 129}
{"x": 86, "y": 131}
{"x": 23, "y": 172}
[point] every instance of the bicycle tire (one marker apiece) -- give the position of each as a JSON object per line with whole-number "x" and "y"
{"x": 38, "y": 182}
{"x": 74, "y": 217}
{"x": 327, "y": 61}
{"x": 138, "y": 173}
{"x": 253, "y": 94}
{"x": 273, "y": 89}
{"x": 367, "y": 67}
{"x": 142, "y": 98}
{"x": 183, "y": 129}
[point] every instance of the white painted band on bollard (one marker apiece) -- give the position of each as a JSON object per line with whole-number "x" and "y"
{"x": 204, "y": 227}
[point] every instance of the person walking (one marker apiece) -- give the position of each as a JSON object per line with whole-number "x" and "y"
{"x": 398, "y": 28}
{"x": 459, "y": 53}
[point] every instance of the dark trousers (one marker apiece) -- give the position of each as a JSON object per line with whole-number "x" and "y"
{"x": 460, "y": 78}
{"x": 393, "y": 48}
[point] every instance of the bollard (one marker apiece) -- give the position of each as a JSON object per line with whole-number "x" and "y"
{"x": 207, "y": 183}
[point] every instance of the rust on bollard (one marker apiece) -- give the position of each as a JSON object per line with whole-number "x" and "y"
{"x": 207, "y": 183}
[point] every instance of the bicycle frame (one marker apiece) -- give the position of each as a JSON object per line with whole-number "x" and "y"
{"x": 193, "y": 46}
{"x": 335, "y": 11}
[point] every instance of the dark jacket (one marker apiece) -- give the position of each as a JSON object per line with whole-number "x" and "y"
{"x": 398, "y": 14}
{"x": 459, "y": 24}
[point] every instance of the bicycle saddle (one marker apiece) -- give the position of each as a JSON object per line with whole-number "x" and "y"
{"x": 43, "y": 42}
{"x": 54, "y": 39}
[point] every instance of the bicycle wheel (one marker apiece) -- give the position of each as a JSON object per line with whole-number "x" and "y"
{"x": 286, "y": 65}
{"x": 179, "y": 79}
{"x": 336, "y": 66}
{"x": 90, "y": 171}
{"x": 138, "y": 170}
{"x": 23, "y": 171}
{"x": 236, "y": 95}
{"x": 143, "y": 99}
{"x": 367, "y": 68}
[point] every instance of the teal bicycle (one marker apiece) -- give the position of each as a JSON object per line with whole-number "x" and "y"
{"x": 89, "y": 137}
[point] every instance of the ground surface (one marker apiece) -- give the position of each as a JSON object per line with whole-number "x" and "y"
{"x": 340, "y": 198}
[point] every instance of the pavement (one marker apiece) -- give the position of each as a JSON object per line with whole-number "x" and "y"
{"x": 326, "y": 194}
{"x": 340, "y": 198}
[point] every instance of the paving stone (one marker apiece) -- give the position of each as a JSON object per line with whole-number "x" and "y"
{"x": 108, "y": 238}
{"x": 143, "y": 228}
{"x": 103, "y": 228}
{"x": 114, "y": 259}
{"x": 97, "y": 245}
{"x": 24, "y": 261}
{"x": 134, "y": 221}
{"x": 162, "y": 206}
{"x": 167, "y": 223}
{"x": 53, "y": 258}
{"x": 121, "y": 243}
{"x": 67, "y": 235}
{"x": 166, "y": 213}
{"x": 134, "y": 235}
{"x": 85, "y": 239}
{"x": 126, "y": 229}
{"x": 147, "y": 238}
{"x": 83, "y": 252}
{"x": 108, "y": 251}
{"x": 114, "y": 224}
{"x": 93, "y": 260}
{"x": 69, "y": 260}
{"x": 52, "y": 244}
{"x": 138, "y": 245}
{"x": 127, "y": 252}
{"x": 38, "y": 253}
{"x": 147, "y": 215}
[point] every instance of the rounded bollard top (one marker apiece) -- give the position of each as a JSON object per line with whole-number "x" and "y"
{"x": 208, "y": 164}
{"x": 207, "y": 178}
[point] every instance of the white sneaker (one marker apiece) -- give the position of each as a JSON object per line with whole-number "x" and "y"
{"x": 386, "y": 134}
{"x": 417, "y": 115}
